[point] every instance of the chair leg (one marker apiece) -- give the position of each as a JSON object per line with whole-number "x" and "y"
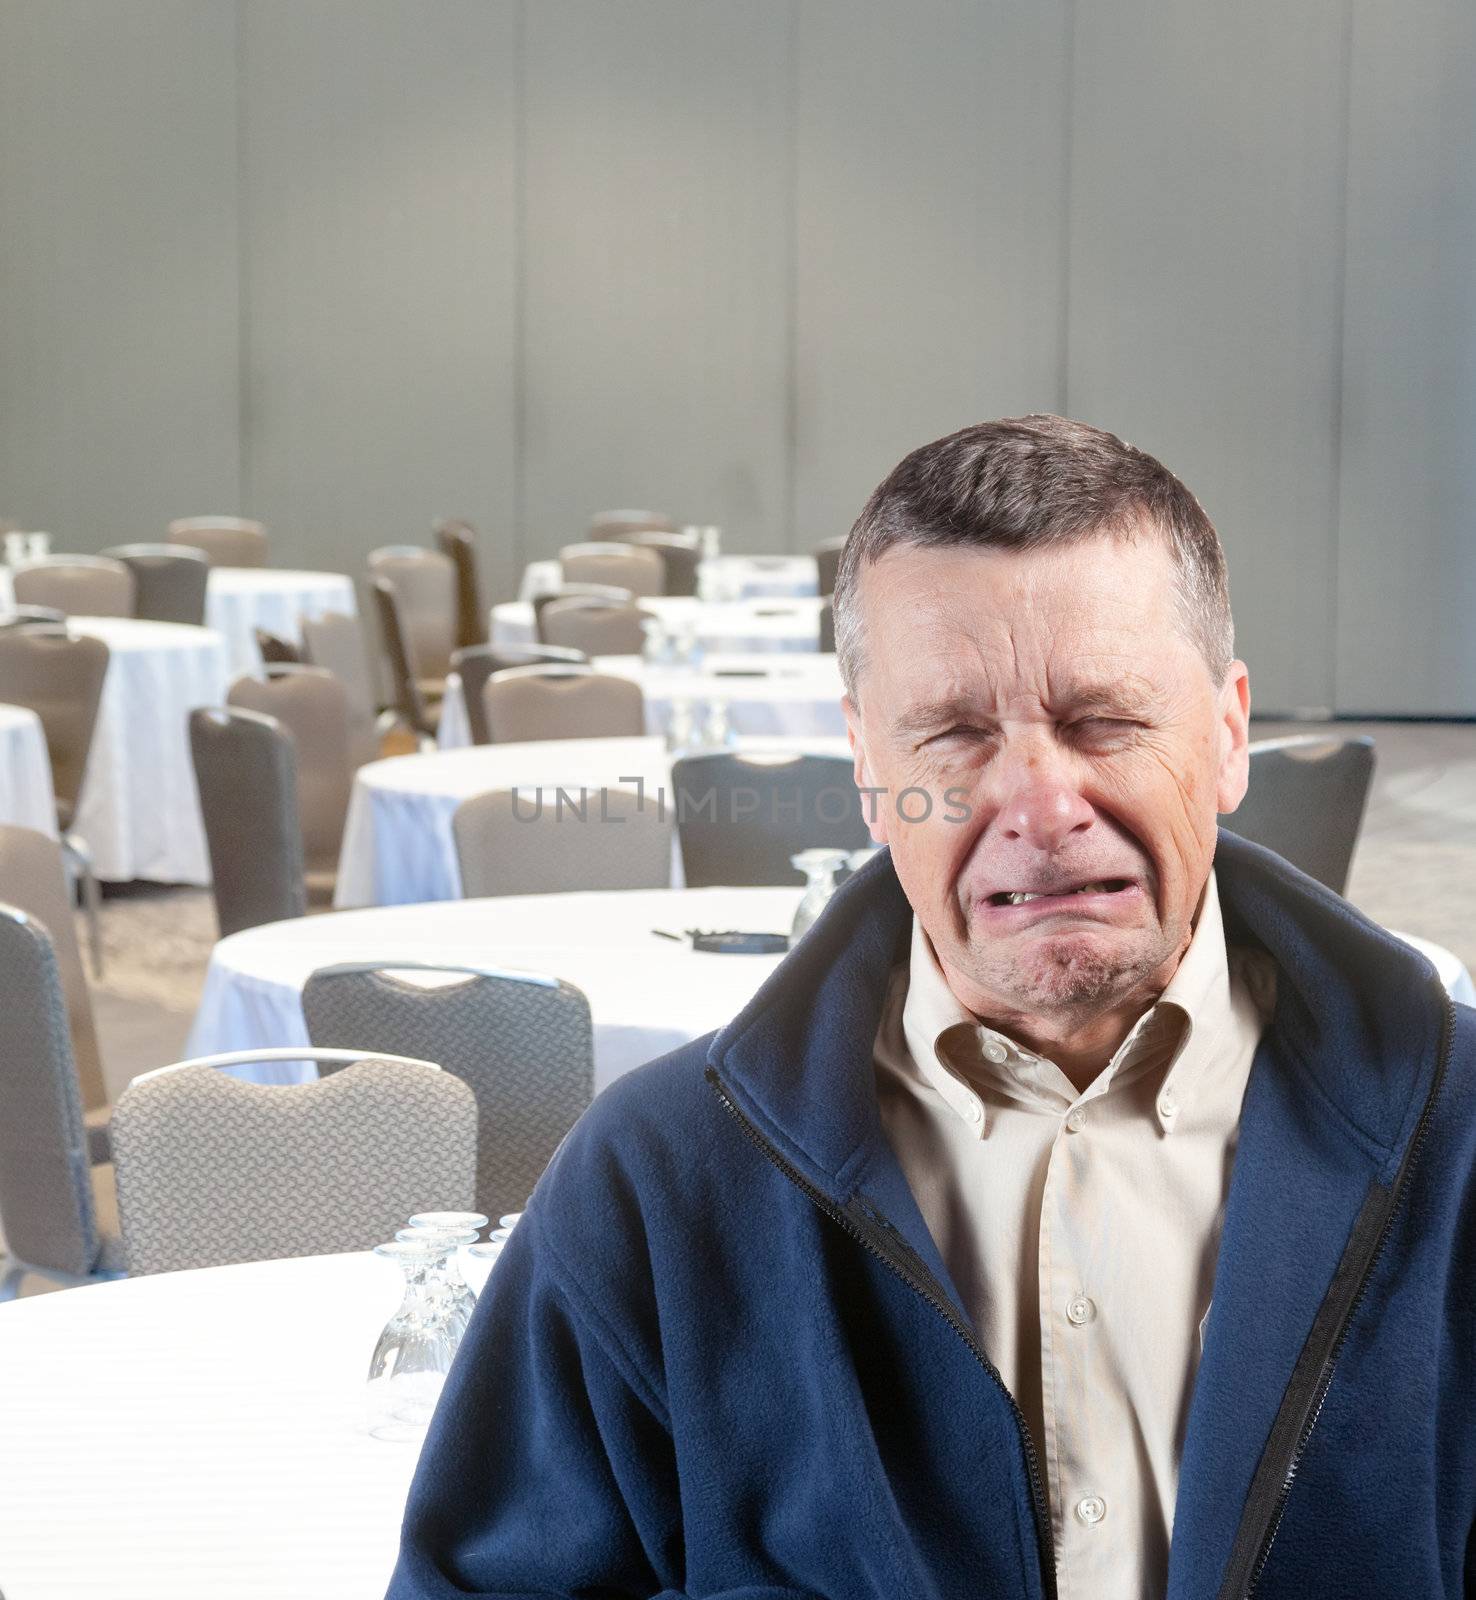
{"x": 81, "y": 859}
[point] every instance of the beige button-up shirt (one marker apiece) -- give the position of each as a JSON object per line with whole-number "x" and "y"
{"x": 1082, "y": 1229}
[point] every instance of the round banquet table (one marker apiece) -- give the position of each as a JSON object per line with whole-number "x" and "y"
{"x": 26, "y": 798}
{"x": 785, "y": 693}
{"x": 735, "y": 577}
{"x": 647, "y": 995}
{"x": 176, "y": 1436}
{"x": 397, "y": 844}
{"x": 139, "y": 810}
{"x": 238, "y": 600}
{"x": 740, "y": 627}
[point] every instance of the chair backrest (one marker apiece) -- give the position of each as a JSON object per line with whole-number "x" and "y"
{"x": 827, "y": 563}
{"x": 827, "y": 627}
{"x": 212, "y": 1170}
{"x": 680, "y": 555}
{"x": 424, "y": 582}
{"x": 551, "y": 702}
{"x": 528, "y": 841}
{"x": 274, "y": 650}
{"x": 409, "y": 701}
{"x": 608, "y": 593}
{"x": 45, "y": 1179}
{"x": 476, "y": 663}
{"x": 622, "y": 566}
{"x": 246, "y": 772}
{"x": 33, "y": 878}
{"x": 169, "y": 581}
{"x": 61, "y": 679}
{"x": 596, "y": 627}
{"x": 81, "y": 586}
{"x": 616, "y": 524}
{"x": 458, "y": 540}
{"x": 1306, "y": 801}
{"x": 336, "y": 642}
{"x": 523, "y": 1043}
{"x": 226, "y": 541}
{"x": 312, "y": 705}
{"x": 741, "y": 817}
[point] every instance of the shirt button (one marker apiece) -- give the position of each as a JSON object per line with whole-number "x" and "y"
{"x": 975, "y": 1114}
{"x": 1080, "y": 1309}
{"x": 1091, "y": 1509}
{"x": 994, "y": 1051}
{"x": 1075, "y": 1120}
{"x": 1167, "y": 1104}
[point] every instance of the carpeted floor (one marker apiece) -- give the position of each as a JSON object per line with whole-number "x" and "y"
{"x": 1415, "y": 871}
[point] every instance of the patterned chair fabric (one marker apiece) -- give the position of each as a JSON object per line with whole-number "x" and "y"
{"x": 169, "y": 581}
{"x": 212, "y": 1170}
{"x": 553, "y": 702}
{"x": 596, "y": 628}
{"x": 55, "y": 1203}
{"x": 226, "y": 541}
{"x": 476, "y": 663}
{"x": 524, "y": 1044}
{"x": 527, "y": 842}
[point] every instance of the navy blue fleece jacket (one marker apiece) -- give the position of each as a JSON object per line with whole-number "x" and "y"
{"x": 722, "y": 1357}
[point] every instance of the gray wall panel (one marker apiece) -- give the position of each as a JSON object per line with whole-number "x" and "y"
{"x": 1407, "y": 567}
{"x": 379, "y": 159}
{"x": 1206, "y": 260}
{"x": 657, "y": 243}
{"x": 930, "y": 173}
{"x": 118, "y": 281}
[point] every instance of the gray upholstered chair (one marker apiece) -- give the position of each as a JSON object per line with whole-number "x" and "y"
{"x": 274, "y": 650}
{"x": 616, "y": 524}
{"x": 528, "y": 842}
{"x": 827, "y": 627}
{"x": 621, "y": 566}
{"x": 82, "y": 586}
{"x": 169, "y": 581}
{"x": 609, "y": 593}
{"x": 336, "y": 642}
{"x": 1306, "y": 800}
{"x": 58, "y": 1207}
{"x": 594, "y": 626}
{"x": 33, "y": 878}
{"x": 418, "y": 705}
{"x": 827, "y": 563}
{"x": 246, "y": 773}
{"x": 524, "y": 1043}
{"x": 60, "y": 678}
{"x": 424, "y": 582}
{"x": 226, "y": 541}
{"x": 212, "y": 1170}
{"x": 458, "y": 540}
{"x": 476, "y": 663}
{"x": 312, "y": 705}
{"x": 552, "y": 702}
{"x": 741, "y": 817}
{"x": 680, "y": 556}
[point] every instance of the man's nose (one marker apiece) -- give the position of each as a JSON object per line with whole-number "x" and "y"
{"x": 1043, "y": 812}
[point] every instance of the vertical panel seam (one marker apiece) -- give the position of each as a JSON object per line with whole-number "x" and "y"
{"x": 791, "y": 353}
{"x": 1340, "y": 301}
{"x": 1063, "y": 311}
{"x": 244, "y": 484}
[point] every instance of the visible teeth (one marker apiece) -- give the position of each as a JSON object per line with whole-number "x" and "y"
{"x": 1020, "y": 897}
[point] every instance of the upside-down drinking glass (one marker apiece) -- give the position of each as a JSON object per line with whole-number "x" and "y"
{"x": 417, "y": 1345}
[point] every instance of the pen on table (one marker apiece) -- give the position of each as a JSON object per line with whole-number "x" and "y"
{"x": 661, "y": 933}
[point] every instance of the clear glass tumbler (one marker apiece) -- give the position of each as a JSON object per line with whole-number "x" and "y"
{"x": 819, "y": 867}
{"x": 417, "y": 1345}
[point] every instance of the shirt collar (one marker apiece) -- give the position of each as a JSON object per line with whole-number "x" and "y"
{"x": 950, "y": 1045}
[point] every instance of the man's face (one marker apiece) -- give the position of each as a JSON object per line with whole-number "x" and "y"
{"x": 1054, "y": 697}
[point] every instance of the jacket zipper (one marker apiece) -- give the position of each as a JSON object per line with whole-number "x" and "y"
{"x": 1239, "y": 1583}
{"x": 921, "y": 1282}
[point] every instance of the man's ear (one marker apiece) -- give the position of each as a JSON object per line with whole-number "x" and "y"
{"x": 1233, "y": 725}
{"x": 872, "y": 809}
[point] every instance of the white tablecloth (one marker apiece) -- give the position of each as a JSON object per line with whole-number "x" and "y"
{"x": 140, "y": 810}
{"x": 176, "y": 1436}
{"x": 239, "y": 600}
{"x": 26, "y": 798}
{"x": 397, "y": 844}
{"x": 736, "y": 577}
{"x": 647, "y": 995}
{"x": 743, "y": 627}
{"x": 797, "y": 696}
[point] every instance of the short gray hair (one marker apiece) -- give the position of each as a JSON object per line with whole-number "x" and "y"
{"x": 1028, "y": 483}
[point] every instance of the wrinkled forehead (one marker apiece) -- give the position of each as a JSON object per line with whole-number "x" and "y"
{"x": 1065, "y": 622}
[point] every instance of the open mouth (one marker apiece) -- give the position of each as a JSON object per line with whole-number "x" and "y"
{"x": 1020, "y": 897}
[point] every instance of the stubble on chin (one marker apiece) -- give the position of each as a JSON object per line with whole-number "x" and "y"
{"x": 1066, "y": 974}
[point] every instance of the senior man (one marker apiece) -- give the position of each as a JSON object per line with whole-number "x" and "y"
{"x": 1085, "y": 1206}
